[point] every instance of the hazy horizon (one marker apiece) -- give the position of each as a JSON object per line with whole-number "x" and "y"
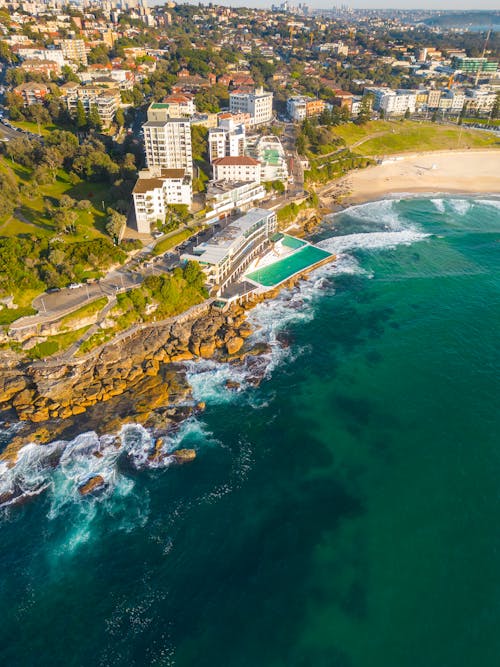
{"x": 446, "y": 5}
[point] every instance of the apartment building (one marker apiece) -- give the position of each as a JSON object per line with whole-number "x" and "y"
{"x": 393, "y": 102}
{"x": 34, "y": 53}
{"x": 230, "y": 252}
{"x": 237, "y": 169}
{"x": 258, "y": 104}
{"x": 31, "y": 92}
{"x": 168, "y": 144}
{"x": 226, "y": 140}
{"x": 480, "y": 100}
{"x": 224, "y": 196}
{"x": 299, "y": 108}
{"x": 155, "y": 190}
{"x": 172, "y": 106}
{"x": 74, "y": 50}
{"x": 106, "y": 101}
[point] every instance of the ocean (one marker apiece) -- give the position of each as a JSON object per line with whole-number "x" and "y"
{"x": 344, "y": 513}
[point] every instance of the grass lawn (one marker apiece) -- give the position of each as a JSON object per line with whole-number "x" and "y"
{"x": 31, "y": 218}
{"x": 34, "y": 128}
{"x": 172, "y": 241}
{"x": 401, "y": 136}
{"x": 55, "y": 344}
{"x": 88, "y": 310}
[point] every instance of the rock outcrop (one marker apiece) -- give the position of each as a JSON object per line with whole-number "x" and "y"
{"x": 93, "y": 485}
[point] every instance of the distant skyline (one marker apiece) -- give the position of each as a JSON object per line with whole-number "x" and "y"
{"x": 455, "y": 5}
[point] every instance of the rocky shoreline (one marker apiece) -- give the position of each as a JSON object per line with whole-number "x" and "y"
{"x": 141, "y": 380}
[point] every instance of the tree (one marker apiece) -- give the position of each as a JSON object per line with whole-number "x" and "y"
{"x": 94, "y": 120}
{"x": 495, "y": 111}
{"x": 115, "y": 224}
{"x": 407, "y": 114}
{"x": 120, "y": 117}
{"x": 81, "y": 116}
{"x": 365, "y": 111}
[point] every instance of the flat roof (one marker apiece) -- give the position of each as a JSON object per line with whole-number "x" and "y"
{"x": 220, "y": 245}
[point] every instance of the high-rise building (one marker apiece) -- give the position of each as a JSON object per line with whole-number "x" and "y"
{"x": 74, "y": 50}
{"x": 228, "y": 139}
{"x": 168, "y": 144}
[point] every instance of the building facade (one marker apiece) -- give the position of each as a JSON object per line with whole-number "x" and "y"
{"x": 155, "y": 190}
{"x": 223, "y": 196}
{"x": 230, "y": 252}
{"x": 236, "y": 169}
{"x": 168, "y": 144}
{"x": 226, "y": 140}
{"x": 258, "y": 104}
{"x": 106, "y": 101}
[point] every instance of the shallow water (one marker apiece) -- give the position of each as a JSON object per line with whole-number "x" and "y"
{"x": 342, "y": 514}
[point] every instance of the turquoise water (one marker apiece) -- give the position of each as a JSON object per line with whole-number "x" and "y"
{"x": 292, "y": 242}
{"x": 343, "y": 514}
{"x": 277, "y": 272}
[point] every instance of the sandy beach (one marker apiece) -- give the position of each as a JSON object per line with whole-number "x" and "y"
{"x": 464, "y": 172}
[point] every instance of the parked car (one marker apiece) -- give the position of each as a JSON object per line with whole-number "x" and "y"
{"x": 75, "y": 285}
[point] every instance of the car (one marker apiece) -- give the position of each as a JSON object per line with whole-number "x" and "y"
{"x": 75, "y": 285}
{"x": 52, "y": 290}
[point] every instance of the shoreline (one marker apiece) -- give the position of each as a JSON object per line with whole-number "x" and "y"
{"x": 434, "y": 173}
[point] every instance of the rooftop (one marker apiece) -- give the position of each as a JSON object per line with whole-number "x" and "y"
{"x": 242, "y": 159}
{"x": 220, "y": 245}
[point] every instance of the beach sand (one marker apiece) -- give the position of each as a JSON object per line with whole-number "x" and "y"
{"x": 464, "y": 172}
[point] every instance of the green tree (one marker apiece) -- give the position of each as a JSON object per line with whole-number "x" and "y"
{"x": 407, "y": 114}
{"x": 365, "y": 112}
{"x": 81, "y": 116}
{"x": 94, "y": 120}
{"x": 114, "y": 224}
{"x": 495, "y": 111}
{"x": 120, "y": 117}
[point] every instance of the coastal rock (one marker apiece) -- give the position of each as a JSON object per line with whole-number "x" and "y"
{"x": 232, "y": 384}
{"x": 245, "y": 330}
{"x": 93, "y": 485}
{"x": 184, "y": 455}
{"x": 234, "y": 344}
{"x": 207, "y": 349}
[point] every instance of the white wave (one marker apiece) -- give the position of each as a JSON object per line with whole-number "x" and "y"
{"x": 371, "y": 241}
{"x": 460, "y": 206}
{"x": 493, "y": 203}
{"x": 382, "y": 212}
{"x": 439, "y": 205}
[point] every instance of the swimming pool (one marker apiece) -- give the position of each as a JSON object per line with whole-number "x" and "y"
{"x": 277, "y": 272}
{"x": 292, "y": 242}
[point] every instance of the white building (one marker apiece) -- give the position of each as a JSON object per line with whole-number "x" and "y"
{"x": 237, "y": 169}
{"x": 296, "y": 108}
{"x": 272, "y": 158}
{"x": 156, "y": 189}
{"x": 168, "y": 144}
{"x": 32, "y": 53}
{"x": 480, "y": 99}
{"x": 393, "y": 102}
{"x": 258, "y": 104}
{"x": 227, "y": 140}
{"x": 225, "y": 196}
{"x": 230, "y": 252}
